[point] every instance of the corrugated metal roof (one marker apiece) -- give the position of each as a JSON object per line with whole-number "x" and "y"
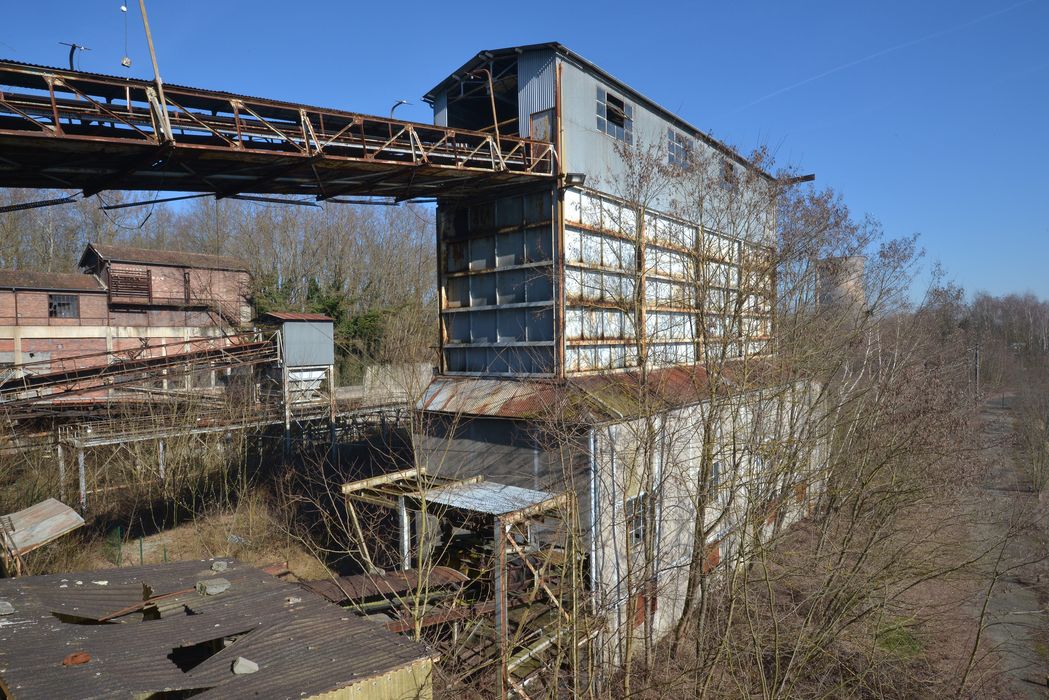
{"x": 302, "y": 643}
{"x": 507, "y": 398}
{"x": 394, "y": 583}
{"x": 37, "y": 525}
{"x": 50, "y": 281}
{"x": 171, "y": 258}
{"x": 585, "y": 398}
{"x": 487, "y": 497}
{"x": 296, "y": 316}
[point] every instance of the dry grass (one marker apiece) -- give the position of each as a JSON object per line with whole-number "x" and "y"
{"x": 252, "y": 531}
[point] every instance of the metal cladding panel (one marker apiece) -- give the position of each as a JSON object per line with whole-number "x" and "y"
{"x": 440, "y": 109}
{"x": 536, "y": 85}
{"x": 309, "y": 343}
{"x": 27, "y": 529}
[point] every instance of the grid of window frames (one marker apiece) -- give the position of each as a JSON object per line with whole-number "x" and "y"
{"x": 678, "y": 148}
{"x": 63, "y": 306}
{"x": 615, "y": 116}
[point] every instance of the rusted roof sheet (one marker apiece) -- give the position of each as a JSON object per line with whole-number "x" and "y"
{"x": 50, "y": 281}
{"x": 37, "y": 525}
{"x": 302, "y": 644}
{"x": 171, "y": 258}
{"x": 504, "y": 398}
{"x": 296, "y": 316}
{"x": 605, "y": 396}
{"x": 360, "y": 587}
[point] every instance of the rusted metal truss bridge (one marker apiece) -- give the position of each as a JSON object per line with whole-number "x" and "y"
{"x": 92, "y": 132}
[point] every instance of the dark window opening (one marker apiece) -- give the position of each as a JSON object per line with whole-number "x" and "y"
{"x": 615, "y": 111}
{"x": 615, "y": 116}
{"x": 63, "y": 306}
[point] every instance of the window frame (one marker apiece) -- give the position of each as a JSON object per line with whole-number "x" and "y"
{"x": 621, "y": 127}
{"x": 679, "y": 148}
{"x": 57, "y": 302}
{"x": 637, "y": 517}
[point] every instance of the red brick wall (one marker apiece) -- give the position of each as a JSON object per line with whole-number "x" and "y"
{"x": 227, "y": 288}
{"x": 31, "y": 307}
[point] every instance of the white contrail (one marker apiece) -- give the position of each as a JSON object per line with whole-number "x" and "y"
{"x": 879, "y": 54}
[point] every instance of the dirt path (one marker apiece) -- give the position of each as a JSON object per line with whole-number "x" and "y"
{"x": 1017, "y": 615}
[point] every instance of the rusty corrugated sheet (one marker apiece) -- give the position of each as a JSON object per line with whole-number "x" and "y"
{"x": 302, "y": 644}
{"x": 360, "y": 587}
{"x": 296, "y": 316}
{"x": 505, "y": 398}
{"x": 37, "y": 525}
{"x": 594, "y": 397}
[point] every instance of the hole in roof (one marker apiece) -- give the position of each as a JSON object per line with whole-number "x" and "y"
{"x": 189, "y": 657}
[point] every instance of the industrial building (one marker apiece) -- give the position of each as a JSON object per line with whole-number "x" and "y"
{"x": 583, "y": 321}
{"x": 606, "y": 276}
{"x": 125, "y": 299}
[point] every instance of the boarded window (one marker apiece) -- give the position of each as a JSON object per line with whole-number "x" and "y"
{"x": 63, "y": 306}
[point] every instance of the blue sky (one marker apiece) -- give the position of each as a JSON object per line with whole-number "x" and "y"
{"x": 931, "y": 116}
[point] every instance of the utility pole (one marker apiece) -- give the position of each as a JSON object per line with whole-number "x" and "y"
{"x": 165, "y": 122}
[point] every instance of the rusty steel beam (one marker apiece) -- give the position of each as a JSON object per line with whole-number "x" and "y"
{"x": 97, "y": 132}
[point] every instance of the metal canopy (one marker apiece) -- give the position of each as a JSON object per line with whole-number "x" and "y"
{"x": 488, "y": 497}
{"x": 33, "y": 527}
{"x": 71, "y": 129}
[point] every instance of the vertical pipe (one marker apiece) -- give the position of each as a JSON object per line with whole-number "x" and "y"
{"x": 535, "y": 468}
{"x": 61, "y": 470}
{"x": 83, "y": 478}
{"x": 160, "y": 459}
{"x": 286, "y": 391}
{"x": 333, "y": 435}
{"x": 501, "y": 626}
{"x": 406, "y": 534}
{"x": 594, "y": 520}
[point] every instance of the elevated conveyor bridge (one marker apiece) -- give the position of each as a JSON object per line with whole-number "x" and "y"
{"x": 91, "y": 132}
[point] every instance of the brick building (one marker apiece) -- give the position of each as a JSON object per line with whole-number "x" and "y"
{"x": 125, "y": 299}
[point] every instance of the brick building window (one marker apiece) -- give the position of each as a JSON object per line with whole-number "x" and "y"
{"x": 63, "y": 306}
{"x": 615, "y": 116}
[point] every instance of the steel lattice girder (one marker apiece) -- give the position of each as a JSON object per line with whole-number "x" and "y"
{"x": 62, "y": 128}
